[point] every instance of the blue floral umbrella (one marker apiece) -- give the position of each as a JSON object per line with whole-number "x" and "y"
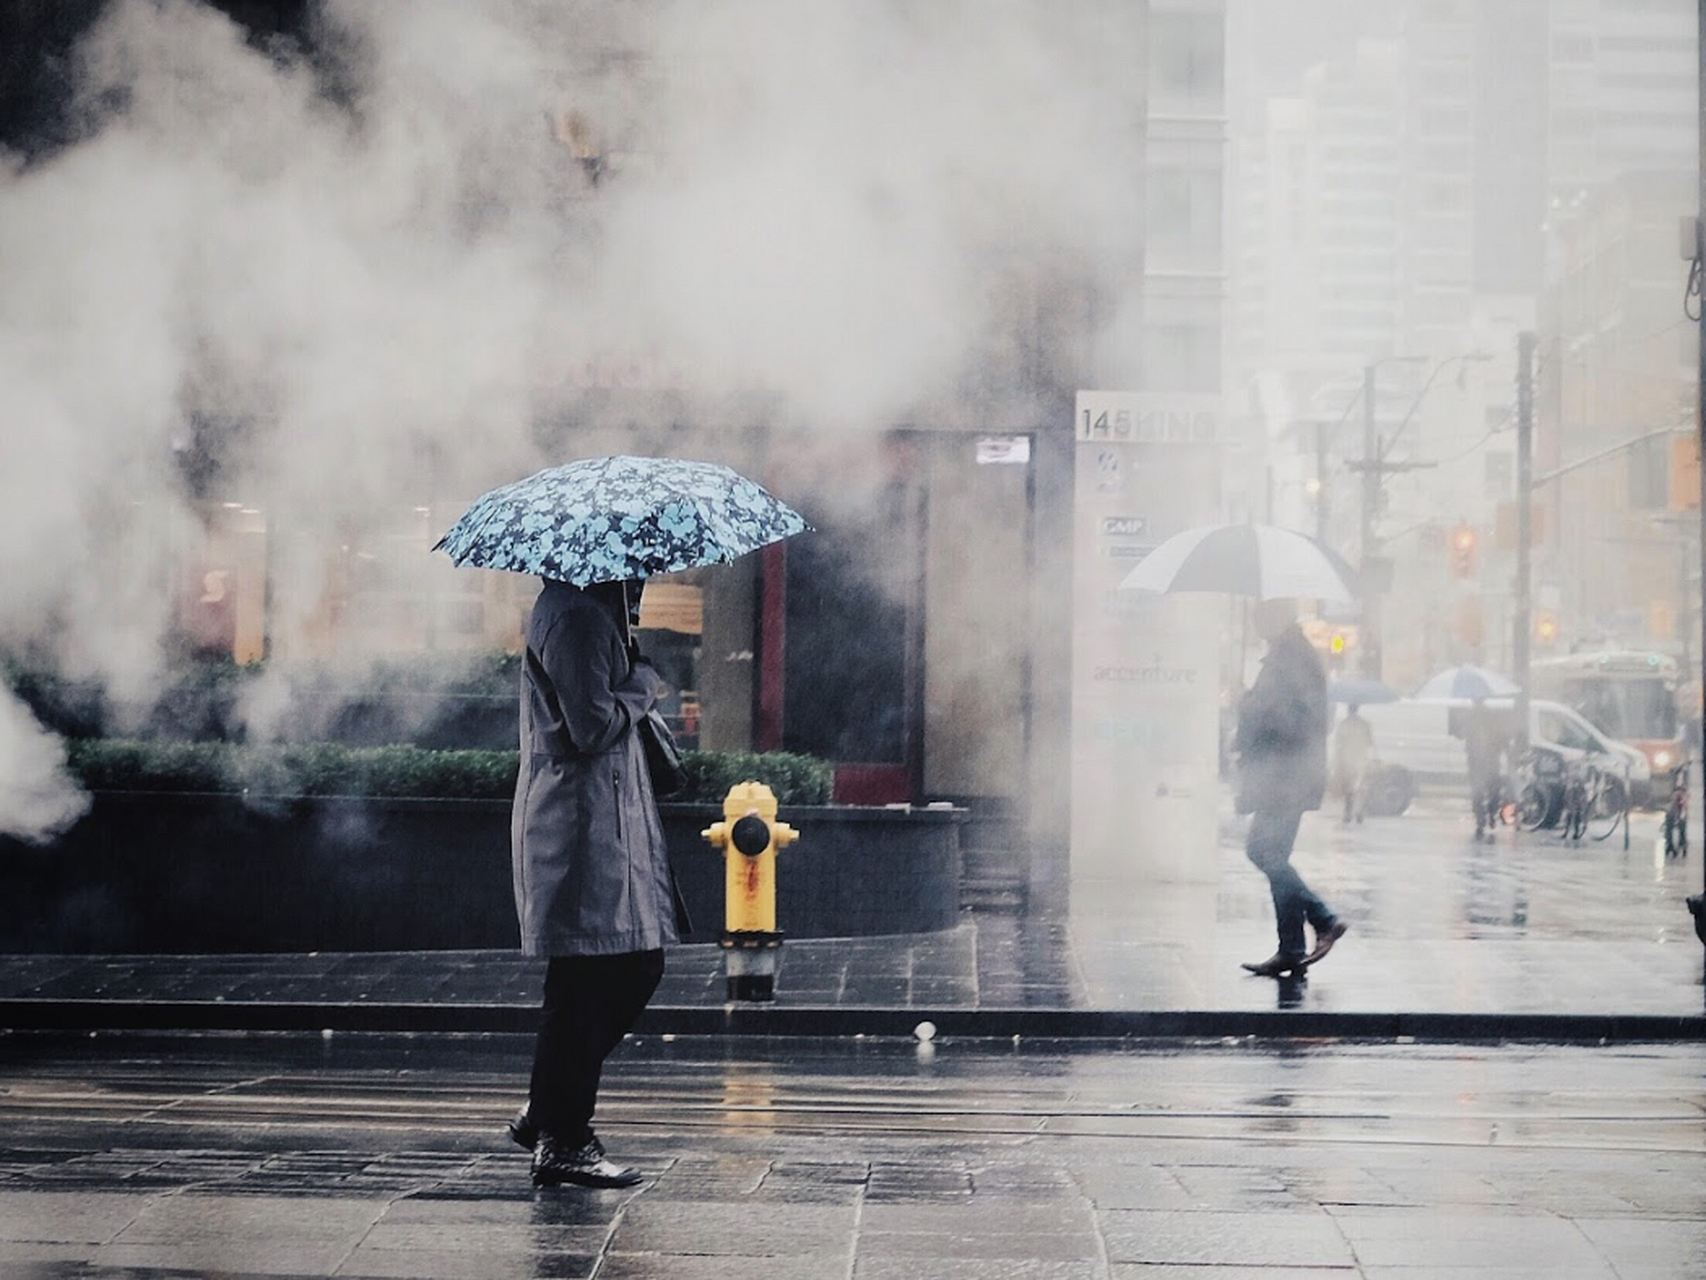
{"x": 607, "y": 519}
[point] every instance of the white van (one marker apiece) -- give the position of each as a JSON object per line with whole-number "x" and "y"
{"x": 1416, "y": 735}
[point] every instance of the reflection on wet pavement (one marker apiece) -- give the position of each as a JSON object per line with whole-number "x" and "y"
{"x": 377, "y": 1156}
{"x": 1439, "y": 924}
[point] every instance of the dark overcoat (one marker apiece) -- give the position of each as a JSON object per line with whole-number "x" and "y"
{"x": 590, "y": 865}
{"x": 1282, "y": 730}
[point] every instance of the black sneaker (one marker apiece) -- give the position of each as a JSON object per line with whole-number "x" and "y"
{"x": 554, "y": 1163}
{"x": 523, "y": 1132}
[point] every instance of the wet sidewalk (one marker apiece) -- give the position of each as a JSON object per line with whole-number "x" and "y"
{"x": 1528, "y": 936}
{"x": 374, "y": 1156}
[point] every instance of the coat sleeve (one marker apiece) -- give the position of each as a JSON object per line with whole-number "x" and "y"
{"x": 601, "y": 695}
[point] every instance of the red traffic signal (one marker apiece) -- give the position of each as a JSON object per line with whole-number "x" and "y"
{"x": 1463, "y": 545}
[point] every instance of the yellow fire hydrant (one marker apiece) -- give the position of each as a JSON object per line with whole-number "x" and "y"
{"x": 749, "y": 836}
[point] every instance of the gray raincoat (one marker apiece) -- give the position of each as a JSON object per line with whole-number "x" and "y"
{"x": 591, "y": 869}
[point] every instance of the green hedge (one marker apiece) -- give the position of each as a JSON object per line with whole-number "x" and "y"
{"x": 327, "y": 769}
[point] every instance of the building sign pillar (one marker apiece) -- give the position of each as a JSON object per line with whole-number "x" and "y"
{"x": 1145, "y": 668}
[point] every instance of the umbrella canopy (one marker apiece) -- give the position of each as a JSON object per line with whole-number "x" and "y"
{"x": 607, "y": 519}
{"x": 1467, "y": 682}
{"x": 1257, "y": 560}
{"x": 1362, "y": 692}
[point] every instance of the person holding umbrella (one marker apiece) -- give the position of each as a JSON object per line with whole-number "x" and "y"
{"x": 1282, "y": 772}
{"x": 593, "y": 887}
{"x": 594, "y": 893}
{"x": 1485, "y": 738}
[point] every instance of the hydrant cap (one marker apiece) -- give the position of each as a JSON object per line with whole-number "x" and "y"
{"x": 751, "y": 835}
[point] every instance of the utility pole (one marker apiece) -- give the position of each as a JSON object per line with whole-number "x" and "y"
{"x": 1370, "y": 625}
{"x": 1523, "y": 623}
{"x": 1700, "y": 266}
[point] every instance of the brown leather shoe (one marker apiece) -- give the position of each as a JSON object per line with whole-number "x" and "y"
{"x": 1277, "y": 965}
{"x": 1325, "y": 939}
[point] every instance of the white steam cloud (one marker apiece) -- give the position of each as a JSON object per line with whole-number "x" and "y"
{"x": 312, "y": 272}
{"x": 38, "y": 799}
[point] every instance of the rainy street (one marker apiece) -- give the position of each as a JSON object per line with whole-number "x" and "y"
{"x": 1068, "y": 639}
{"x": 788, "y": 1155}
{"x": 377, "y": 1156}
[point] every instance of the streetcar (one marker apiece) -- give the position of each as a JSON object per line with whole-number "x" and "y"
{"x": 1627, "y": 695}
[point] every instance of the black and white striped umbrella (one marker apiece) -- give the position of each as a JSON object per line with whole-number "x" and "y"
{"x": 1257, "y": 560}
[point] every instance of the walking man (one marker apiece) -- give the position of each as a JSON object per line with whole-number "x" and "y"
{"x": 593, "y": 889}
{"x": 1282, "y": 764}
{"x": 1484, "y": 742}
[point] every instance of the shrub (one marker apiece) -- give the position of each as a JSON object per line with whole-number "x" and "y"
{"x": 313, "y": 769}
{"x": 796, "y": 779}
{"x": 330, "y": 769}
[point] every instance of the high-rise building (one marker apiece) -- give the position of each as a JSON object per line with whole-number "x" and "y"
{"x": 1184, "y": 274}
{"x": 1500, "y": 123}
{"x": 1623, "y": 90}
{"x": 1618, "y": 364}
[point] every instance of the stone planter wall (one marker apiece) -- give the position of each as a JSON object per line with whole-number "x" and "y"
{"x": 186, "y": 874}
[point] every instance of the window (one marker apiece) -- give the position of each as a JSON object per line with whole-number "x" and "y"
{"x": 1443, "y": 196}
{"x": 1444, "y": 11}
{"x": 1561, "y": 732}
{"x": 1181, "y": 357}
{"x": 1441, "y": 270}
{"x": 1184, "y": 212}
{"x": 1373, "y": 318}
{"x": 1442, "y": 234}
{"x": 1436, "y": 122}
{"x": 1448, "y": 79}
{"x": 1649, "y": 475}
{"x": 851, "y": 612}
{"x": 1187, "y": 63}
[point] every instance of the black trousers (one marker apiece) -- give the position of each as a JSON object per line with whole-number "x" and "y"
{"x": 590, "y": 1004}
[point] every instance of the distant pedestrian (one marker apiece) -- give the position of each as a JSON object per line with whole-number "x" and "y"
{"x": 1353, "y": 753}
{"x": 1282, "y": 773}
{"x": 1486, "y": 735}
{"x": 593, "y": 888}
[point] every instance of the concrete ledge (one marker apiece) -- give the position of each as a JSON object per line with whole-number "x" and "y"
{"x": 824, "y": 1021}
{"x": 176, "y": 872}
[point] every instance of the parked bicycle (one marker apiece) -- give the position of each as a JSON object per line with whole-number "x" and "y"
{"x": 1581, "y": 784}
{"x": 1596, "y": 801}
{"x": 1536, "y": 789}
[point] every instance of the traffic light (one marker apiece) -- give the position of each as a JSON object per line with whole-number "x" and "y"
{"x": 1546, "y": 627}
{"x": 1336, "y": 651}
{"x": 1463, "y": 542}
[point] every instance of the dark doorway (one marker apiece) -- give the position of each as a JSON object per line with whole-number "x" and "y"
{"x": 854, "y": 638}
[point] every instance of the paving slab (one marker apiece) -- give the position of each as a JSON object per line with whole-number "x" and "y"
{"x": 215, "y": 1155}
